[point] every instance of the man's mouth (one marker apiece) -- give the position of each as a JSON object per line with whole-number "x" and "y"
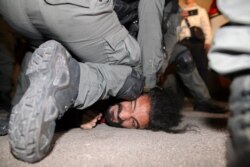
{"x": 112, "y": 116}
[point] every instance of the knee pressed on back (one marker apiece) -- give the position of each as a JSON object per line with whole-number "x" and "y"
{"x": 133, "y": 86}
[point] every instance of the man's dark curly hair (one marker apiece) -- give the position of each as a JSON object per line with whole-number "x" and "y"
{"x": 165, "y": 110}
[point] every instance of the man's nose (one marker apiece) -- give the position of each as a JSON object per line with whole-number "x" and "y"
{"x": 124, "y": 115}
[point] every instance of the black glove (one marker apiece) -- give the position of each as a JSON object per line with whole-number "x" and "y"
{"x": 126, "y": 12}
{"x": 134, "y": 28}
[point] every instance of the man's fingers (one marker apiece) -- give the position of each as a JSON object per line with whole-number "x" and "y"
{"x": 89, "y": 125}
{"x": 86, "y": 126}
{"x": 99, "y": 116}
{"x": 88, "y": 121}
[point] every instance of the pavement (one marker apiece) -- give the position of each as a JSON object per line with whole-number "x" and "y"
{"x": 207, "y": 144}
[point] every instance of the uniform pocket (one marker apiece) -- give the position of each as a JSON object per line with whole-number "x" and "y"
{"x": 114, "y": 39}
{"x": 80, "y": 3}
{"x": 122, "y": 49}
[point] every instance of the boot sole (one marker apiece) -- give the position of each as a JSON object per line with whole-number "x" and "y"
{"x": 32, "y": 121}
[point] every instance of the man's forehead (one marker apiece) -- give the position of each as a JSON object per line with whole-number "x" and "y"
{"x": 143, "y": 102}
{"x": 144, "y": 97}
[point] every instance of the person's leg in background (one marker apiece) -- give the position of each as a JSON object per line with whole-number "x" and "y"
{"x": 230, "y": 56}
{"x": 199, "y": 56}
{"x": 182, "y": 58}
{"x": 186, "y": 70}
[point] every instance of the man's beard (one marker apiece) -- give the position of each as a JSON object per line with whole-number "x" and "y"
{"x": 109, "y": 115}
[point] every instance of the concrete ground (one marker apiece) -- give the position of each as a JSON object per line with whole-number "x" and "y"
{"x": 207, "y": 145}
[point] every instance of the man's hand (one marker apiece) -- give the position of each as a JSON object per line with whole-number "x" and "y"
{"x": 184, "y": 14}
{"x": 89, "y": 119}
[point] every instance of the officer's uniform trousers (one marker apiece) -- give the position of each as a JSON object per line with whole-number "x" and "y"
{"x": 90, "y": 31}
{"x": 150, "y": 38}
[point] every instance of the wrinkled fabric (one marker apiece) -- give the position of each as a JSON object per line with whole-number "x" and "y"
{"x": 230, "y": 51}
{"x": 90, "y": 31}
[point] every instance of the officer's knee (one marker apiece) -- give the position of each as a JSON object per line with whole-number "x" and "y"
{"x": 132, "y": 87}
{"x": 184, "y": 62}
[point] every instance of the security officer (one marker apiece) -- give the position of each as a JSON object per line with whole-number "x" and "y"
{"x": 92, "y": 33}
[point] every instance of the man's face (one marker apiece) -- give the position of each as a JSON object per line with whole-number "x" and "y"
{"x": 130, "y": 114}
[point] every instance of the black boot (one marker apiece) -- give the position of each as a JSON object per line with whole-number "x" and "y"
{"x": 4, "y": 124}
{"x": 4, "y": 113}
{"x": 54, "y": 82}
{"x": 208, "y": 106}
{"x": 239, "y": 122}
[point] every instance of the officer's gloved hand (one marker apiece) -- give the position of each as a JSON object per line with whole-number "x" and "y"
{"x": 125, "y": 11}
{"x": 132, "y": 87}
{"x": 134, "y": 28}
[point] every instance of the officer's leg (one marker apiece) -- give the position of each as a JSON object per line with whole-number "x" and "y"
{"x": 22, "y": 81}
{"x": 6, "y": 66}
{"x": 150, "y": 38}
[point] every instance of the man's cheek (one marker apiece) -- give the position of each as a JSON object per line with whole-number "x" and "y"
{"x": 125, "y": 124}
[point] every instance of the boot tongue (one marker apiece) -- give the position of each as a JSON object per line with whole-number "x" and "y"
{"x": 65, "y": 98}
